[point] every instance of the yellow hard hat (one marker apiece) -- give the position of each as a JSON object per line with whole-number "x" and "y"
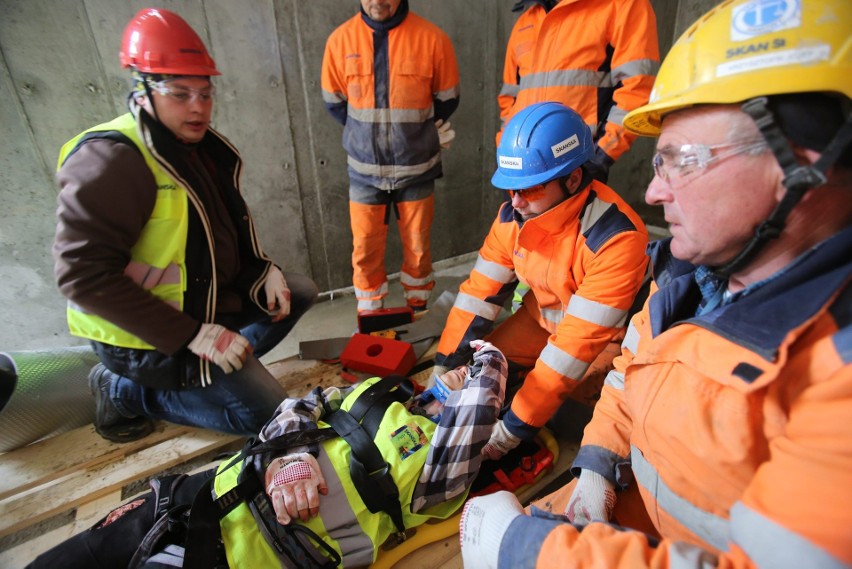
{"x": 751, "y": 48}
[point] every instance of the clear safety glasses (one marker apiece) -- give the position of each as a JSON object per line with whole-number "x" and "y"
{"x": 182, "y": 94}
{"x": 676, "y": 165}
{"x": 532, "y": 194}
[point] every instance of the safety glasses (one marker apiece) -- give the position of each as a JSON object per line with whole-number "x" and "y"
{"x": 532, "y": 194}
{"x": 676, "y": 165}
{"x": 182, "y": 94}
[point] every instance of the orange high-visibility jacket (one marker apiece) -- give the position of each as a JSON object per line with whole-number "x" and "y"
{"x": 736, "y": 425}
{"x": 584, "y": 260}
{"x": 387, "y": 89}
{"x": 598, "y": 57}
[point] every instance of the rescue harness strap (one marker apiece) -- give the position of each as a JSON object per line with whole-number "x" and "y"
{"x": 368, "y": 468}
{"x": 370, "y": 474}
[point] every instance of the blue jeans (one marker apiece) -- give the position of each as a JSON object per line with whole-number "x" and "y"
{"x": 239, "y": 402}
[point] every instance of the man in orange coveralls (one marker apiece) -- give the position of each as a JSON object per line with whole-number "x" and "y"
{"x": 722, "y": 438}
{"x": 391, "y": 79}
{"x": 581, "y": 250}
{"x": 599, "y": 58}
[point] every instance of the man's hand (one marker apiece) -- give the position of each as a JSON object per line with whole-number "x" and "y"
{"x": 217, "y": 344}
{"x": 445, "y": 133}
{"x": 483, "y": 524}
{"x": 501, "y": 442}
{"x": 593, "y": 499}
{"x": 294, "y": 483}
{"x": 277, "y": 293}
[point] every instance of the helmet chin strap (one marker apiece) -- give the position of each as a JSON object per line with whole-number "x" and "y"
{"x": 798, "y": 179}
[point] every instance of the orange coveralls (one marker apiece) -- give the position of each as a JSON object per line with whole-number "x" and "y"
{"x": 584, "y": 261}
{"x": 732, "y": 429}
{"x": 387, "y": 83}
{"x": 598, "y": 57}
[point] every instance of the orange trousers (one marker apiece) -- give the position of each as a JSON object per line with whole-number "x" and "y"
{"x": 369, "y": 236}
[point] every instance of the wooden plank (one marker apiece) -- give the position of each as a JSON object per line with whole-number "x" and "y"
{"x": 79, "y": 449}
{"x": 443, "y": 554}
{"x": 298, "y": 377}
{"x": 28, "y": 508}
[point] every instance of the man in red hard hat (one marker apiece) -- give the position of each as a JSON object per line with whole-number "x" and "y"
{"x": 158, "y": 255}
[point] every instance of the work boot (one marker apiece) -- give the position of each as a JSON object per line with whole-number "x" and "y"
{"x": 109, "y": 422}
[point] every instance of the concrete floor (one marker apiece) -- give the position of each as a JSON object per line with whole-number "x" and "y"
{"x": 335, "y": 315}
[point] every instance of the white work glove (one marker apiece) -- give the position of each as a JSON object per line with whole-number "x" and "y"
{"x": 293, "y": 483}
{"x": 483, "y": 524}
{"x": 501, "y": 442}
{"x": 445, "y": 133}
{"x": 217, "y": 344}
{"x": 593, "y": 499}
{"x": 277, "y": 293}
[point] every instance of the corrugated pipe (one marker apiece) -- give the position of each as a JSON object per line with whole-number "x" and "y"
{"x": 44, "y": 393}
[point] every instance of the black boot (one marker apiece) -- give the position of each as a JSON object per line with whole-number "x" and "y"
{"x": 109, "y": 422}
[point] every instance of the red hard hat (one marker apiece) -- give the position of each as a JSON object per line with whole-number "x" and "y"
{"x": 160, "y": 41}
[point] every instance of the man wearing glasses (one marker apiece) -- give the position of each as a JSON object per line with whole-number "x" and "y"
{"x": 158, "y": 256}
{"x": 722, "y": 437}
{"x": 581, "y": 250}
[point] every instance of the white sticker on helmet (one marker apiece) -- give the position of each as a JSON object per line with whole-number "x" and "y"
{"x": 758, "y": 17}
{"x": 566, "y": 145}
{"x": 802, "y": 56}
{"x": 510, "y": 162}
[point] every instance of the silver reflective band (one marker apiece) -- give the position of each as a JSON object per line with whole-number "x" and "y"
{"x": 709, "y": 527}
{"x": 769, "y": 544}
{"x": 494, "y": 271}
{"x": 563, "y": 363}
{"x": 596, "y": 312}
{"x": 476, "y": 306}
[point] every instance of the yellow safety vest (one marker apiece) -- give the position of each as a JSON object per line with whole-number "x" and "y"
{"x": 157, "y": 260}
{"x": 344, "y": 522}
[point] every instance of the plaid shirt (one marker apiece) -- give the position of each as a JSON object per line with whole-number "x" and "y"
{"x": 454, "y": 453}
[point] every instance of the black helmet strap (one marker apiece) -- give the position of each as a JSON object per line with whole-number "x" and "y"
{"x": 798, "y": 179}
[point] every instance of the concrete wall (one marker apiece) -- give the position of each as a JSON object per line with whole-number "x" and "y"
{"x": 59, "y": 74}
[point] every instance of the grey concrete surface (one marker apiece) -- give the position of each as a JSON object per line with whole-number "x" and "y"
{"x": 59, "y": 74}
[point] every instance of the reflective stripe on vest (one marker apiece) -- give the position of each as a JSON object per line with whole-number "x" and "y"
{"x": 344, "y": 521}
{"x": 157, "y": 259}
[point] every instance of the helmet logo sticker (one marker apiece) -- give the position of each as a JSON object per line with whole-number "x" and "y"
{"x": 566, "y": 145}
{"x": 510, "y": 162}
{"x": 782, "y": 58}
{"x": 760, "y": 17}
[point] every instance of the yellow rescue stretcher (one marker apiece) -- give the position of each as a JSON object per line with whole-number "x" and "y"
{"x": 516, "y": 472}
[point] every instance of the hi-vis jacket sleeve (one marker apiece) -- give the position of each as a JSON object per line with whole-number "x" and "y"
{"x": 519, "y": 52}
{"x": 334, "y": 83}
{"x": 635, "y": 60}
{"x": 593, "y": 318}
{"x": 480, "y": 299}
{"x": 606, "y": 440}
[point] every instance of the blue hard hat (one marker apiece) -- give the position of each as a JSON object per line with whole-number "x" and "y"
{"x": 541, "y": 143}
